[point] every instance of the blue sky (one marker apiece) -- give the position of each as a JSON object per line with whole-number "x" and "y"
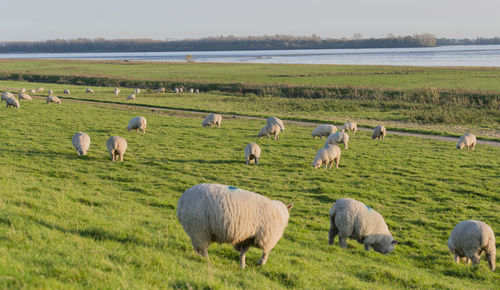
{"x": 51, "y": 19}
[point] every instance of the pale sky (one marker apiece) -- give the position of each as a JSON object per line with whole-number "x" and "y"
{"x": 34, "y": 20}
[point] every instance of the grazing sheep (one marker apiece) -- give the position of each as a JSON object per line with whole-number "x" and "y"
{"x": 67, "y": 92}
{"x": 176, "y": 90}
{"x": 211, "y": 120}
{"x": 90, "y": 91}
{"x": 323, "y": 130}
{"x": 226, "y": 214}
{"x": 352, "y": 219}
{"x": 24, "y": 96}
{"x": 181, "y": 90}
{"x": 53, "y": 99}
{"x": 117, "y": 91}
{"x": 137, "y": 91}
{"x": 32, "y": 91}
{"x": 131, "y": 97}
{"x": 326, "y": 156}
{"x": 12, "y": 102}
{"x": 268, "y": 130}
{"x": 137, "y": 123}
{"x": 191, "y": 90}
{"x": 197, "y": 91}
{"x": 81, "y": 142}
{"x": 338, "y": 137}
{"x": 6, "y": 95}
{"x": 252, "y": 152}
{"x": 350, "y": 126}
{"x": 469, "y": 239}
{"x": 379, "y": 132}
{"x": 274, "y": 120}
{"x": 23, "y": 90}
{"x": 39, "y": 90}
{"x": 50, "y": 92}
{"x": 468, "y": 141}
{"x": 116, "y": 147}
{"x": 160, "y": 90}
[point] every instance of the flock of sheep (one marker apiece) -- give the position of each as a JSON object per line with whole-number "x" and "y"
{"x": 226, "y": 214}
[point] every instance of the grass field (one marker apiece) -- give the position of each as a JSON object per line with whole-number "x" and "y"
{"x": 85, "y": 222}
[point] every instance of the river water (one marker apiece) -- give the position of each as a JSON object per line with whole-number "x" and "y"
{"x": 460, "y": 55}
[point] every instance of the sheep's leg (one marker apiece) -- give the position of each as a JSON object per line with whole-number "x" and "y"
{"x": 331, "y": 164}
{"x": 367, "y": 247}
{"x": 121, "y": 157}
{"x": 473, "y": 145}
{"x": 243, "y": 253}
{"x": 112, "y": 156}
{"x": 476, "y": 259}
{"x": 457, "y": 259}
{"x": 256, "y": 161}
{"x": 337, "y": 161}
{"x": 263, "y": 259}
{"x": 333, "y": 231}
{"x": 247, "y": 159}
{"x": 342, "y": 241}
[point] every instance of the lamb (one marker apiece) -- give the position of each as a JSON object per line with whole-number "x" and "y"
{"x": 12, "y": 102}
{"x": 24, "y": 96}
{"x": 50, "y": 92}
{"x": 160, "y": 90}
{"x": 5, "y": 96}
{"x": 252, "y": 152}
{"x": 137, "y": 91}
{"x": 327, "y": 155}
{"x": 67, "y": 92}
{"x": 468, "y": 141}
{"x": 274, "y": 120}
{"x": 338, "y": 137}
{"x": 137, "y": 123}
{"x": 196, "y": 91}
{"x": 90, "y": 91}
{"x": 116, "y": 147}
{"x": 33, "y": 91}
{"x": 379, "y": 132}
{"x": 352, "y": 219}
{"x": 54, "y": 99}
{"x": 81, "y": 142}
{"x": 23, "y": 90}
{"x": 181, "y": 90}
{"x": 226, "y": 214}
{"x": 191, "y": 90}
{"x": 131, "y": 97}
{"x": 350, "y": 126}
{"x": 469, "y": 239}
{"x": 323, "y": 130}
{"x": 117, "y": 91}
{"x": 267, "y": 130}
{"x": 211, "y": 120}
{"x": 176, "y": 90}
{"x": 39, "y": 90}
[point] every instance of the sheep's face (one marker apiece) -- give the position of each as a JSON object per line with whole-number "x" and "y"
{"x": 317, "y": 164}
{"x": 385, "y": 246}
{"x": 460, "y": 145}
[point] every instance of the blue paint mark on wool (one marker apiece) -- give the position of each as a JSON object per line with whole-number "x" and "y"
{"x": 232, "y": 188}
{"x": 367, "y": 207}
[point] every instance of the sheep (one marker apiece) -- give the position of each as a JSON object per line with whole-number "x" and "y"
{"x": 267, "y": 130}
{"x": 191, "y": 90}
{"x": 39, "y": 90}
{"x": 323, "y": 130}
{"x": 226, "y": 214}
{"x": 116, "y": 147}
{"x": 53, "y": 99}
{"x": 160, "y": 90}
{"x": 117, "y": 91}
{"x": 353, "y": 219}
{"x": 338, "y": 137}
{"x": 6, "y": 95}
{"x": 137, "y": 123}
{"x": 176, "y": 90}
{"x": 468, "y": 141}
{"x": 379, "y": 132}
{"x": 252, "y": 152}
{"x": 50, "y": 92}
{"x": 22, "y": 90}
{"x": 67, "y": 92}
{"x": 274, "y": 120}
{"x": 211, "y": 120}
{"x": 469, "y": 239}
{"x": 196, "y": 91}
{"x": 81, "y": 142}
{"x": 131, "y": 97}
{"x": 181, "y": 90}
{"x": 326, "y": 156}
{"x": 12, "y": 102}
{"x": 350, "y": 126}
{"x": 24, "y": 96}
{"x": 90, "y": 91}
{"x": 137, "y": 91}
{"x": 33, "y": 91}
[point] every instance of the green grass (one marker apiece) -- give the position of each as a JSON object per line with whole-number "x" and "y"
{"x": 71, "y": 222}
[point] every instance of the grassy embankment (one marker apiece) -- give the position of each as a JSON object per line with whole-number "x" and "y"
{"x": 69, "y": 221}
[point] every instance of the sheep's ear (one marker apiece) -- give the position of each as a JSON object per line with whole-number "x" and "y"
{"x": 394, "y": 242}
{"x": 289, "y": 207}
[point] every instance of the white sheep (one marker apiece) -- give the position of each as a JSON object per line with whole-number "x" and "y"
{"x": 137, "y": 123}
{"x": 181, "y": 90}
{"x": 24, "y": 96}
{"x": 327, "y": 155}
{"x": 137, "y": 91}
{"x": 81, "y": 142}
{"x": 53, "y": 99}
{"x": 191, "y": 90}
{"x": 226, "y": 214}
{"x": 252, "y": 152}
{"x": 67, "y": 92}
{"x": 131, "y": 97}
{"x": 268, "y": 130}
{"x": 50, "y": 92}
{"x": 117, "y": 91}
{"x": 274, "y": 120}
{"x": 379, "y": 132}
{"x": 468, "y": 141}
{"x": 337, "y": 138}
{"x": 39, "y": 90}
{"x": 22, "y": 90}
{"x": 33, "y": 91}
{"x": 12, "y": 102}
{"x": 352, "y": 219}
{"x": 176, "y": 90}
{"x": 90, "y": 91}
{"x": 197, "y": 91}
{"x": 6, "y": 95}
{"x": 160, "y": 90}
{"x": 323, "y": 130}
{"x": 469, "y": 239}
{"x": 212, "y": 120}
{"x": 116, "y": 147}
{"x": 350, "y": 126}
